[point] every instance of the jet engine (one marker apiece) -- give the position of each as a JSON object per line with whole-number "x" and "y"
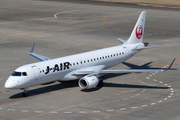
{"x": 88, "y": 82}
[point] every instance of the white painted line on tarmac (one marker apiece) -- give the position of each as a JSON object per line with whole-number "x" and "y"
{"x": 165, "y": 98}
{"x": 0, "y": 108}
{"x": 154, "y": 80}
{"x": 53, "y": 112}
{"x": 160, "y": 82}
{"x": 96, "y": 111}
{"x": 144, "y": 105}
{"x": 169, "y": 86}
{"x": 82, "y": 112}
{"x": 11, "y": 109}
{"x": 24, "y": 110}
{"x": 110, "y": 110}
{"x": 67, "y": 112}
{"x": 122, "y": 109}
{"x": 165, "y": 84}
{"x": 55, "y": 15}
{"x": 134, "y": 107}
{"x": 143, "y": 90}
{"x": 160, "y": 101}
{"x": 147, "y": 78}
{"x": 38, "y": 111}
{"x": 171, "y": 94}
{"x": 153, "y": 103}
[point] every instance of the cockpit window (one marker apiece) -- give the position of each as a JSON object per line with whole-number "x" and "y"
{"x": 16, "y": 73}
{"x": 24, "y": 74}
{"x": 19, "y": 73}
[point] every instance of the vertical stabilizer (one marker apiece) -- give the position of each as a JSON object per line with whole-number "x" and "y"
{"x": 138, "y": 31}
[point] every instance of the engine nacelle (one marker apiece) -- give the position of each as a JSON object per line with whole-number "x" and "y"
{"x": 88, "y": 82}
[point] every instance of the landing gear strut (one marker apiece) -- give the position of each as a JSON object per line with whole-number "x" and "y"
{"x": 25, "y": 93}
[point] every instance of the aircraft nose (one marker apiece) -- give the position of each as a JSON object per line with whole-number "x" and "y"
{"x": 10, "y": 84}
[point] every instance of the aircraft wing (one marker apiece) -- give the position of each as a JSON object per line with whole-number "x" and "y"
{"x": 123, "y": 71}
{"x": 37, "y": 56}
{"x": 118, "y": 71}
{"x": 139, "y": 48}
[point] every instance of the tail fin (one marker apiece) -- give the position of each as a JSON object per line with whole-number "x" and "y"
{"x": 138, "y": 31}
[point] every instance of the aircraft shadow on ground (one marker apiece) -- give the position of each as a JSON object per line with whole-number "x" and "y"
{"x": 144, "y": 66}
{"x": 56, "y": 87}
{"x": 71, "y": 84}
{"x": 46, "y": 89}
{"x": 133, "y": 66}
{"x": 116, "y": 85}
{"x": 132, "y": 86}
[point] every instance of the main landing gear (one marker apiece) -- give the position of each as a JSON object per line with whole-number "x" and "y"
{"x": 25, "y": 93}
{"x": 100, "y": 84}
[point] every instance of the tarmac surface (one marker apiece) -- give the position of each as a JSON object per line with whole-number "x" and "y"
{"x": 65, "y": 28}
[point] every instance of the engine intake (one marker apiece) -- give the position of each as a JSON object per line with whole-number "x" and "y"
{"x": 88, "y": 82}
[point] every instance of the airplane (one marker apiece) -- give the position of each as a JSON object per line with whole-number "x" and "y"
{"x": 88, "y": 67}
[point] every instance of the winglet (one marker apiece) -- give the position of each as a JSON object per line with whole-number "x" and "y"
{"x": 37, "y": 56}
{"x": 32, "y": 48}
{"x": 171, "y": 64}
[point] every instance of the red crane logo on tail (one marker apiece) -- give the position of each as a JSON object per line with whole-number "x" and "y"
{"x": 139, "y": 31}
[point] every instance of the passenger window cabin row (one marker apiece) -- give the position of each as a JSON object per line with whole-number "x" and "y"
{"x": 100, "y": 58}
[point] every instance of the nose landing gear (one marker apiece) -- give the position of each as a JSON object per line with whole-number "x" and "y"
{"x": 25, "y": 93}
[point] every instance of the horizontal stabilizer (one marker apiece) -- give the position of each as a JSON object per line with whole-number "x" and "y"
{"x": 37, "y": 56}
{"x": 121, "y": 40}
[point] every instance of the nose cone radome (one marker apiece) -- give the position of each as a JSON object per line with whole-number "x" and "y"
{"x": 10, "y": 84}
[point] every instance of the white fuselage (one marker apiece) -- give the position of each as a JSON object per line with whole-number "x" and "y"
{"x": 64, "y": 68}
